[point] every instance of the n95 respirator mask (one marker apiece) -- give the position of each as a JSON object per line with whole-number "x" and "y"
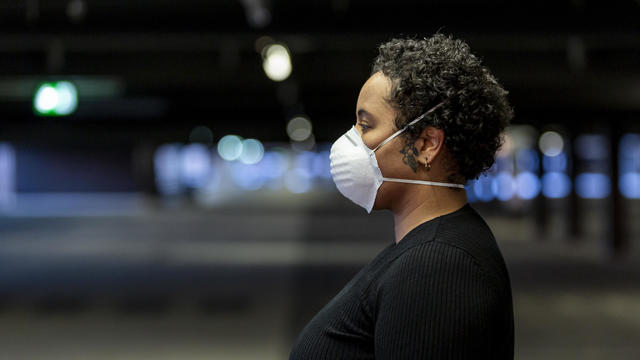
{"x": 355, "y": 169}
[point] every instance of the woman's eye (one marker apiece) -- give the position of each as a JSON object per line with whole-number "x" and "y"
{"x": 363, "y": 126}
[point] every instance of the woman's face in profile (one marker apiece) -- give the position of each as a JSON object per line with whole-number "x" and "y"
{"x": 374, "y": 115}
{"x": 375, "y": 120}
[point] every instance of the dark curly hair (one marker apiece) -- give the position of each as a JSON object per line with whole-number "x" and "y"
{"x": 428, "y": 71}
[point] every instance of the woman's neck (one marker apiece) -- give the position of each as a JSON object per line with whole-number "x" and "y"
{"x": 423, "y": 204}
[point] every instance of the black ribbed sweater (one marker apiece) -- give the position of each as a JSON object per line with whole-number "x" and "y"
{"x": 442, "y": 292}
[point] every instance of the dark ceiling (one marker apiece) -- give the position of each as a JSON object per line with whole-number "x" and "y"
{"x": 172, "y": 65}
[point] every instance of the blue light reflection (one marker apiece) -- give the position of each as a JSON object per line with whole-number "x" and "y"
{"x": 591, "y": 185}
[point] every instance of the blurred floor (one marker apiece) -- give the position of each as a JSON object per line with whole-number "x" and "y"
{"x": 196, "y": 285}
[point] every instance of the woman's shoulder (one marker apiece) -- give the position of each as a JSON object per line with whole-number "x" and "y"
{"x": 466, "y": 222}
{"x": 460, "y": 243}
{"x": 432, "y": 266}
{"x": 443, "y": 266}
{"x": 456, "y": 243}
{"x": 470, "y": 233}
{"x": 455, "y": 228}
{"x": 434, "y": 254}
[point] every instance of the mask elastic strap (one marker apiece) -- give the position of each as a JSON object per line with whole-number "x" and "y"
{"x": 423, "y": 182}
{"x": 393, "y": 136}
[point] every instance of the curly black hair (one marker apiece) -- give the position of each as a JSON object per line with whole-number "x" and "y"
{"x": 425, "y": 72}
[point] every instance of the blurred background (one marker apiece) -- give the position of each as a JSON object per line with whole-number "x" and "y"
{"x": 164, "y": 175}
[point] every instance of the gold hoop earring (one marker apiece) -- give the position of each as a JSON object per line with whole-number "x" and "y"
{"x": 427, "y": 166}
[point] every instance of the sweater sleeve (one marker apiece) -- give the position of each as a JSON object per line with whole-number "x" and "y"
{"x": 434, "y": 303}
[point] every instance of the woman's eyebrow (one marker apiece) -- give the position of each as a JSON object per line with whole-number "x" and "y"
{"x": 364, "y": 113}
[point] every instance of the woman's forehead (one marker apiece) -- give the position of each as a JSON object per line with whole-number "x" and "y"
{"x": 374, "y": 93}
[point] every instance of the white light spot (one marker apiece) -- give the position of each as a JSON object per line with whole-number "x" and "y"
{"x": 551, "y": 143}
{"x": 252, "y": 151}
{"x": 230, "y": 147}
{"x": 277, "y": 62}
{"x": 299, "y": 128}
{"x": 67, "y": 98}
{"x": 46, "y": 98}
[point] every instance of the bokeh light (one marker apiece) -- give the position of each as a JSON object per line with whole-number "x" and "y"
{"x": 7, "y": 176}
{"x": 275, "y": 164}
{"x": 629, "y": 184}
{"x": 592, "y": 146}
{"x": 504, "y": 163}
{"x": 297, "y": 181}
{"x": 629, "y": 158}
{"x": 57, "y": 98}
{"x": 67, "y": 98}
{"x": 471, "y": 194}
{"x": 504, "y": 186}
{"x": 483, "y": 188}
{"x": 276, "y": 62}
{"x": 230, "y": 147}
{"x": 195, "y": 165}
{"x": 556, "y": 185}
{"x": 252, "y": 151}
{"x": 321, "y": 165}
{"x": 551, "y": 143}
{"x": 521, "y": 136}
{"x": 507, "y": 145}
{"x": 555, "y": 163}
{"x": 166, "y": 163}
{"x": 527, "y": 185}
{"x": 304, "y": 160}
{"x": 629, "y": 153}
{"x": 630, "y": 146}
{"x": 46, "y": 99}
{"x": 527, "y": 160}
{"x": 247, "y": 177}
{"x": 299, "y": 128}
{"x": 306, "y": 145}
{"x": 591, "y": 185}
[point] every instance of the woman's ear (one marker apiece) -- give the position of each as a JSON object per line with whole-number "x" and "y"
{"x": 429, "y": 144}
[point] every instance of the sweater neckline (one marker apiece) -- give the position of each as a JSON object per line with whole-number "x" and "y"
{"x": 427, "y": 230}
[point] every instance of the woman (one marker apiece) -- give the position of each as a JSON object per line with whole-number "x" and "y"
{"x": 428, "y": 119}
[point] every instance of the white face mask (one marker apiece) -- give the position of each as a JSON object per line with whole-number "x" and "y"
{"x": 355, "y": 170}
